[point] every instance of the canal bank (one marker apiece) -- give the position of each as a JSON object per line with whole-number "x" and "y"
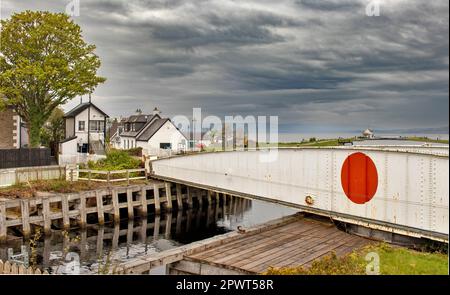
{"x": 101, "y": 248}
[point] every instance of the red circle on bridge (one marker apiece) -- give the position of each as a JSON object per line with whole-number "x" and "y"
{"x": 359, "y": 178}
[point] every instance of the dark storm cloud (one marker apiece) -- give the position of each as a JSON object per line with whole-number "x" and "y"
{"x": 311, "y": 62}
{"x": 330, "y": 5}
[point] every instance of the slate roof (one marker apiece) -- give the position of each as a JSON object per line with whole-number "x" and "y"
{"x": 152, "y": 129}
{"x": 139, "y": 118}
{"x": 81, "y": 107}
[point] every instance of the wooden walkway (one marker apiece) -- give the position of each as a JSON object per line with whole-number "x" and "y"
{"x": 293, "y": 244}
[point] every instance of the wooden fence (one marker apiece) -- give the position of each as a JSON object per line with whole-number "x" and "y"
{"x": 17, "y": 175}
{"x": 26, "y": 157}
{"x": 8, "y": 268}
{"x": 124, "y": 175}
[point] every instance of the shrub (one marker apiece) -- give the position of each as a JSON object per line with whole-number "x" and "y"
{"x": 115, "y": 160}
{"x": 137, "y": 151}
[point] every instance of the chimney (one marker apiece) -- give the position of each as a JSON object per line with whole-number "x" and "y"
{"x": 156, "y": 111}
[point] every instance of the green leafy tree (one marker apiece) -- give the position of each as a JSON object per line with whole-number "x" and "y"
{"x": 53, "y": 131}
{"x": 44, "y": 63}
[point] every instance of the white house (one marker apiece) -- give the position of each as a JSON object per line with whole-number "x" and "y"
{"x": 155, "y": 135}
{"x": 85, "y": 130}
{"x": 368, "y": 133}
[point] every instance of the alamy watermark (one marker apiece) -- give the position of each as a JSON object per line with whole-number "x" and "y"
{"x": 234, "y": 133}
{"x": 73, "y": 8}
{"x": 373, "y": 8}
{"x": 373, "y": 267}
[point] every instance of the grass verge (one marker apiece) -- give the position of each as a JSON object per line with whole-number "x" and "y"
{"x": 392, "y": 261}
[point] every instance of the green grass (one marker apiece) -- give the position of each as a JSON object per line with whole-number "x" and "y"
{"x": 316, "y": 143}
{"x": 393, "y": 261}
{"x": 426, "y": 139}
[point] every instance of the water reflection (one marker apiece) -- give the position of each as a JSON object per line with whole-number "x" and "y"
{"x": 102, "y": 247}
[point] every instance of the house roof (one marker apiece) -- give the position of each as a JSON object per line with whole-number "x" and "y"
{"x": 152, "y": 129}
{"x": 142, "y": 118}
{"x": 81, "y": 107}
{"x": 68, "y": 139}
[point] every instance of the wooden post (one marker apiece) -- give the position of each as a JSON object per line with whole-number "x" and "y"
{"x": 168, "y": 196}
{"x": 179, "y": 220}
{"x": 156, "y": 198}
{"x": 143, "y": 231}
{"x": 16, "y": 174}
{"x": 83, "y": 245}
{"x": 143, "y": 199}
{"x": 71, "y": 174}
{"x": 46, "y": 215}
{"x": 116, "y": 209}
{"x": 189, "y": 220}
{"x": 217, "y": 198}
{"x": 130, "y": 203}
{"x": 208, "y": 214}
{"x": 116, "y": 235}
{"x": 208, "y": 194}
{"x": 199, "y": 194}
{"x": 89, "y": 178}
{"x": 168, "y": 225}
{"x": 100, "y": 235}
{"x": 47, "y": 251}
{"x": 128, "y": 177}
{"x": 82, "y": 209}
{"x": 100, "y": 212}
{"x": 65, "y": 212}
{"x": 224, "y": 198}
{"x": 3, "y": 228}
{"x": 25, "y": 208}
{"x": 189, "y": 198}
{"x": 216, "y": 208}
{"x": 130, "y": 232}
{"x": 108, "y": 177}
{"x": 156, "y": 227}
{"x": 179, "y": 196}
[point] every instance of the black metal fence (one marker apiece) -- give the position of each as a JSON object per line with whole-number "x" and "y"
{"x": 11, "y": 158}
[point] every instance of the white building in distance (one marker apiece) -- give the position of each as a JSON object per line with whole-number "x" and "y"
{"x": 154, "y": 134}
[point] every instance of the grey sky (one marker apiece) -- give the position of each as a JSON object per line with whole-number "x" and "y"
{"x": 318, "y": 65}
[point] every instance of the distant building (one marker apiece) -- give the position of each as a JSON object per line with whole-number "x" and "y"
{"x": 368, "y": 133}
{"x": 154, "y": 134}
{"x": 85, "y": 130}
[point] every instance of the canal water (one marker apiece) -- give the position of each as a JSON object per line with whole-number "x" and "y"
{"x": 104, "y": 247}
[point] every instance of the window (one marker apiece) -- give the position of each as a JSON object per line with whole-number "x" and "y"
{"x": 80, "y": 125}
{"x": 96, "y": 126}
{"x": 165, "y": 145}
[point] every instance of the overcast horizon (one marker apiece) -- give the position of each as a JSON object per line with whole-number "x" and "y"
{"x": 321, "y": 66}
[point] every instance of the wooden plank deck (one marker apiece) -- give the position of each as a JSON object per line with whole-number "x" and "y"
{"x": 294, "y": 244}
